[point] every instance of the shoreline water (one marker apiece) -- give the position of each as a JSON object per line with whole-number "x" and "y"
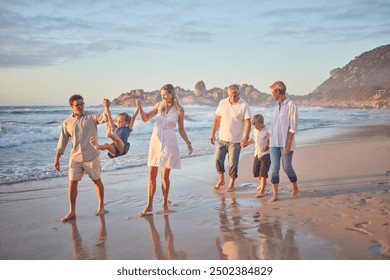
{"x": 342, "y": 211}
{"x": 29, "y": 135}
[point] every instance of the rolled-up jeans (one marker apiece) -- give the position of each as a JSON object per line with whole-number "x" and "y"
{"x": 276, "y": 154}
{"x": 233, "y": 150}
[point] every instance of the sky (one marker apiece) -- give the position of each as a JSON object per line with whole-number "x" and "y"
{"x": 52, "y": 49}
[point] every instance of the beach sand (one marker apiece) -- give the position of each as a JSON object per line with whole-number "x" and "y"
{"x": 342, "y": 210}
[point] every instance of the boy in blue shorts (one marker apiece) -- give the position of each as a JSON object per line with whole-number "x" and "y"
{"x": 119, "y": 133}
{"x": 262, "y": 160}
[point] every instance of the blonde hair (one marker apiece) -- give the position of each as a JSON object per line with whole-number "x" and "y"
{"x": 279, "y": 86}
{"x": 176, "y": 102}
{"x": 258, "y": 118}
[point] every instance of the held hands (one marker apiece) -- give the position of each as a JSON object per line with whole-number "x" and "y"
{"x": 244, "y": 142}
{"x": 138, "y": 104}
{"x": 106, "y": 103}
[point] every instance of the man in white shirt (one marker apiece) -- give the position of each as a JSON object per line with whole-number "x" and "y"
{"x": 282, "y": 141}
{"x": 79, "y": 127}
{"x": 232, "y": 116}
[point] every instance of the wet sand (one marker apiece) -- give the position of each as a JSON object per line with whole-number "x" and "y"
{"x": 342, "y": 211}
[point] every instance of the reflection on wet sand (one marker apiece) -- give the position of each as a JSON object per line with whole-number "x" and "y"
{"x": 171, "y": 253}
{"x": 80, "y": 252}
{"x": 271, "y": 242}
{"x": 234, "y": 245}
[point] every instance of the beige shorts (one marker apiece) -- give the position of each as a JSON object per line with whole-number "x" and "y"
{"x": 92, "y": 168}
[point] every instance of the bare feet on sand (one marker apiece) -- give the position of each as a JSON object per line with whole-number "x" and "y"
{"x": 68, "y": 217}
{"x": 261, "y": 193}
{"x": 258, "y": 188}
{"x": 94, "y": 143}
{"x": 230, "y": 189}
{"x": 145, "y": 212}
{"x": 274, "y": 198}
{"x": 294, "y": 193}
{"x": 101, "y": 212}
{"x": 219, "y": 184}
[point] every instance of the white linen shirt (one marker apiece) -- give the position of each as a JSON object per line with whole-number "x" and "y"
{"x": 284, "y": 121}
{"x": 80, "y": 129}
{"x": 260, "y": 137}
{"x": 233, "y": 116}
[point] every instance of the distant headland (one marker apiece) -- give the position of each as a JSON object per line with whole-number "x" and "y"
{"x": 363, "y": 83}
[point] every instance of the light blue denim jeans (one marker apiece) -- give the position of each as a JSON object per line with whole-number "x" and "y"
{"x": 276, "y": 154}
{"x": 233, "y": 150}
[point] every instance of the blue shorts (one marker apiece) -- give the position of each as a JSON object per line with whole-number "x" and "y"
{"x": 117, "y": 152}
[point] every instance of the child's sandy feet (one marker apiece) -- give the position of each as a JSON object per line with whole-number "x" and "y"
{"x": 145, "y": 212}
{"x": 274, "y": 198}
{"x": 68, "y": 217}
{"x": 230, "y": 189}
{"x": 261, "y": 193}
{"x": 94, "y": 143}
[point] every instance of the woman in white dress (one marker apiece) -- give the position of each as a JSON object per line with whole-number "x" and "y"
{"x": 163, "y": 147}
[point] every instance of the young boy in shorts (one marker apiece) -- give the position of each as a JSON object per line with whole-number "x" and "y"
{"x": 119, "y": 133}
{"x": 262, "y": 159}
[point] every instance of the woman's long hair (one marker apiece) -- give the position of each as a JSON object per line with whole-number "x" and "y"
{"x": 176, "y": 102}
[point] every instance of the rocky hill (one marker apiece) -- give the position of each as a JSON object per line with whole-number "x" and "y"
{"x": 363, "y": 83}
{"x": 200, "y": 95}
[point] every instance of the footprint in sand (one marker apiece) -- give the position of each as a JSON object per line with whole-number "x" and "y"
{"x": 360, "y": 227}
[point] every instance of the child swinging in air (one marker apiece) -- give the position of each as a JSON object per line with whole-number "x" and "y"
{"x": 119, "y": 134}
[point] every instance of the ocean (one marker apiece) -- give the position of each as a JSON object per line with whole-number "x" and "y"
{"x": 29, "y": 135}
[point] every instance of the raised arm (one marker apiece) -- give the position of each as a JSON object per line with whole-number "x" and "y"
{"x": 147, "y": 116}
{"x": 133, "y": 118}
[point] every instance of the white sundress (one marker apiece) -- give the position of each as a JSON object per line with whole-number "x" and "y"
{"x": 163, "y": 147}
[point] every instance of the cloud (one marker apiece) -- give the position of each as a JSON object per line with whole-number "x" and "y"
{"x": 344, "y": 21}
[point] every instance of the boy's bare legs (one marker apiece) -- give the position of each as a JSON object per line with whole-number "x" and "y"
{"x": 151, "y": 190}
{"x": 221, "y": 181}
{"x": 118, "y": 142}
{"x": 259, "y": 186}
{"x": 275, "y": 195}
{"x": 231, "y": 184}
{"x": 263, "y": 182}
{"x": 165, "y": 187}
{"x": 99, "y": 188}
{"x": 109, "y": 147}
{"x": 294, "y": 193}
{"x": 72, "y": 196}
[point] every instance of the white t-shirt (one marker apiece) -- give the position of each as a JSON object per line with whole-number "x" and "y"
{"x": 233, "y": 118}
{"x": 260, "y": 138}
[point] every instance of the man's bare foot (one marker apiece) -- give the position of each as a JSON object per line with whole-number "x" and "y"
{"x": 294, "y": 193}
{"x": 68, "y": 217}
{"x": 101, "y": 211}
{"x": 94, "y": 143}
{"x": 145, "y": 212}
{"x": 219, "y": 184}
{"x": 274, "y": 198}
{"x": 261, "y": 193}
{"x": 108, "y": 131}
